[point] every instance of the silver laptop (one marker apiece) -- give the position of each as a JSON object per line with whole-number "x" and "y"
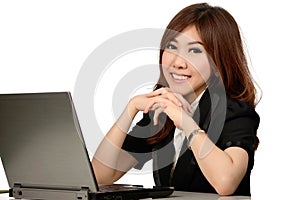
{"x": 44, "y": 154}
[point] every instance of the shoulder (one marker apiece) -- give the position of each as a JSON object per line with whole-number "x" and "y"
{"x": 240, "y": 127}
{"x": 239, "y": 109}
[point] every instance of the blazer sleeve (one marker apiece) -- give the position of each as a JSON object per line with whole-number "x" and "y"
{"x": 136, "y": 142}
{"x": 240, "y": 127}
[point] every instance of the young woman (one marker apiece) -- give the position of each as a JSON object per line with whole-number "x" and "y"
{"x": 199, "y": 124}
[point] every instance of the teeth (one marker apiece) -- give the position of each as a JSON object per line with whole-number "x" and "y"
{"x": 179, "y": 77}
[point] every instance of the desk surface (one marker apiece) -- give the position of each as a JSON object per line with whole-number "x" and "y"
{"x": 181, "y": 195}
{"x": 202, "y": 196}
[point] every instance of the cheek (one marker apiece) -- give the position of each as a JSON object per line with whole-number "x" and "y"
{"x": 165, "y": 71}
{"x": 166, "y": 62}
{"x": 203, "y": 68}
{"x": 166, "y": 59}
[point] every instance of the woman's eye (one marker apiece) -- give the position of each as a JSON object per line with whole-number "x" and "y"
{"x": 195, "y": 50}
{"x": 171, "y": 46}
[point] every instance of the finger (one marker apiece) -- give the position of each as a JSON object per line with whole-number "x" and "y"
{"x": 185, "y": 104}
{"x": 158, "y": 92}
{"x": 148, "y": 107}
{"x": 166, "y": 93}
{"x": 157, "y": 106}
{"x": 175, "y": 114}
{"x": 187, "y": 108}
{"x": 152, "y": 102}
{"x": 156, "y": 115}
{"x": 154, "y": 107}
{"x": 170, "y": 96}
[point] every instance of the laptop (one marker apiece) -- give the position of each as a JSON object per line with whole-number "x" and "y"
{"x": 44, "y": 155}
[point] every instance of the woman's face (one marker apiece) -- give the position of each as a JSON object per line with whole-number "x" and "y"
{"x": 185, "y": 64}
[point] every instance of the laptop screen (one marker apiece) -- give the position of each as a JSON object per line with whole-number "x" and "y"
{"x": 41, "y": 144}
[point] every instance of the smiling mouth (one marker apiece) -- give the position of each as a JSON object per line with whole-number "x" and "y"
{"x": 180, "y": 77}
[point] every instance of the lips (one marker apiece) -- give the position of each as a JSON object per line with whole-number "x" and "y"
{"x": 179, "y": 77}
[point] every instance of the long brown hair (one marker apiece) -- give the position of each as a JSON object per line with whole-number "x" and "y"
{"x": 222, "y": 41}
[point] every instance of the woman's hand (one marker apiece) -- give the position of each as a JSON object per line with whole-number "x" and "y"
{"x": 173, "y": 104}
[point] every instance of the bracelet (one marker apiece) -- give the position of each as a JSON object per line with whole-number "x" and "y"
{"x": 192, "y": 134}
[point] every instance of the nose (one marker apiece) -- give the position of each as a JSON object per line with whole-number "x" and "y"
{"x": 179, "y": 62}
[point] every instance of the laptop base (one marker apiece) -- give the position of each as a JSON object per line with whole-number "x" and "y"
{"x": 19, "y": 192}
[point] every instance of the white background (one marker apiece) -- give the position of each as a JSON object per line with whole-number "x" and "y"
{"x": 43, "y": 45}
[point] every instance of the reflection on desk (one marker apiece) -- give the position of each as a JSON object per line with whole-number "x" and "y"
{"x": 177, "y": 195}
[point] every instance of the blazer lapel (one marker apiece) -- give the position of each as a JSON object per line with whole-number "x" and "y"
{"x": 186, "y": 163}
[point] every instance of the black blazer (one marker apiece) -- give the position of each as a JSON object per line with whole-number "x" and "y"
{"x": 239, "y": 129}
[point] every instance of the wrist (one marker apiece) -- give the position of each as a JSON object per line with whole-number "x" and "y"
{"x": 192, "y": 135}
{"x": 189, "y": 125}
{"x": 126, "y": 118}
{"x": 131, "y": 109}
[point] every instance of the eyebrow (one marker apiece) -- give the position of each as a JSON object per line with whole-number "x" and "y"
{"x": 190, "y": 43}
{"x": 195, "y": 42}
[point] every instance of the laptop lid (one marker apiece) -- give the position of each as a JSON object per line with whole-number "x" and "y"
{"x": 39, "y": 142}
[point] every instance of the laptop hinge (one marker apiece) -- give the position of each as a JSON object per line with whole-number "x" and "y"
{"x": 20, "y": 192}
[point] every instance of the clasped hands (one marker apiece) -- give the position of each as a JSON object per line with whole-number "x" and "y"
{"x": 164, "y": 100}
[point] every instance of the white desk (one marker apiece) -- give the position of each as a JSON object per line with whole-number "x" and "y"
{"x": 202, "y": 196}
{"x": 182, "y": 195}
